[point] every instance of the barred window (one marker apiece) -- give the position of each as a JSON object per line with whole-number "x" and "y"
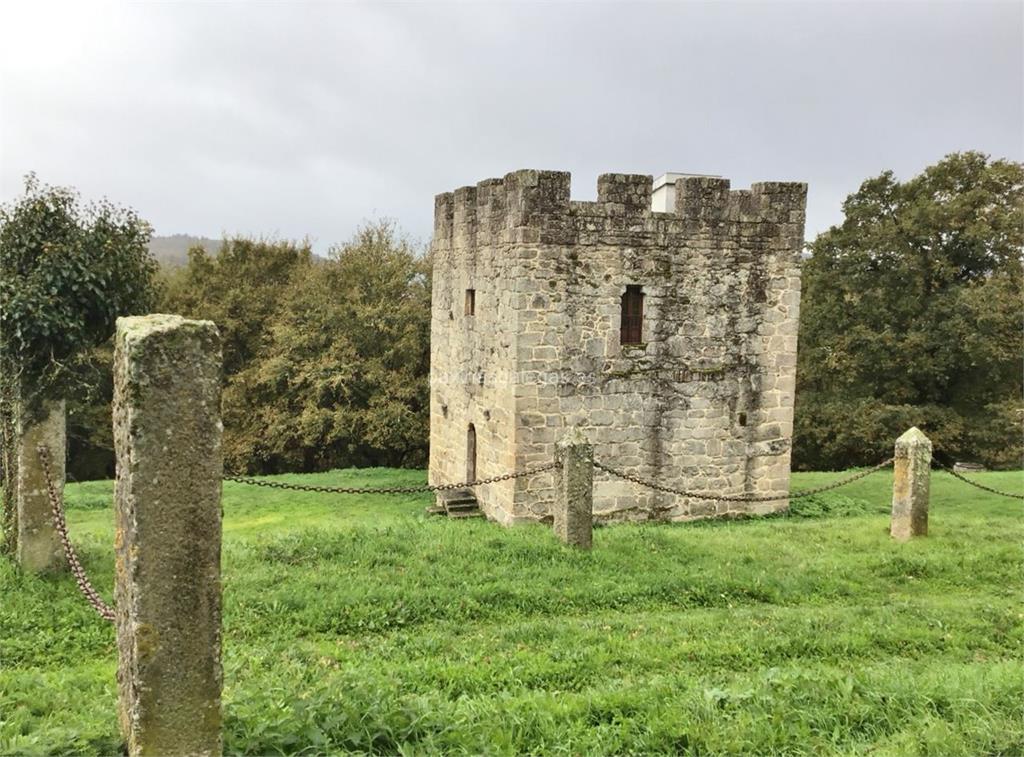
{"x": 632, "y": 326}
{"x": 470, "y": 302}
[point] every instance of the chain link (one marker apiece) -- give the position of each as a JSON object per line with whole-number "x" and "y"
{"x": 104, "y": 610}
{"x": 387, "y": 489}
{"x": 741, "y": 497}
{"x": 949, "y": 469}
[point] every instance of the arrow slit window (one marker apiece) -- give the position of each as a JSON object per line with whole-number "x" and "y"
{"x": 631, "y": 330}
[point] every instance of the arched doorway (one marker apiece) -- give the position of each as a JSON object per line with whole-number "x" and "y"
{"x": 471, "y": 453}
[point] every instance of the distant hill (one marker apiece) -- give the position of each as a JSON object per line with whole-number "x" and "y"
{"x": 172, "y": 251}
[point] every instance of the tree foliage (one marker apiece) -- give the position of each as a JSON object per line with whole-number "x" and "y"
{"x": 239, "y": 289}
{"x": 911, "y": 315}
{"x": 326, "y": 361}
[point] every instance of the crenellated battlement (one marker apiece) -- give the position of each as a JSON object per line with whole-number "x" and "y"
{"x": 536, "y": 200}
{"x": 521, "y": 199}
{"x": 709, "y": 199}
{"x": 625, "y": 194}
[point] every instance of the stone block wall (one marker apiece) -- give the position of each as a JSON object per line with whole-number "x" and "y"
{"x": 472, "y": 356}
{"x": 704, "y": 401}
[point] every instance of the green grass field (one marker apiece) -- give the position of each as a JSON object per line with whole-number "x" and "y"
{"x": 359, "y": 625}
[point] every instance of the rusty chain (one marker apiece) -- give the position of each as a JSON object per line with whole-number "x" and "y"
{"x": 949, "y": 469}
{"x": 741, "y": 497}
{"x": 386, "y": 489}
{"x": 102, "y": 609}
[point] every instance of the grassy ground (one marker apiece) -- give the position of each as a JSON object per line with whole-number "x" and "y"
{"x": 359, "y": 625}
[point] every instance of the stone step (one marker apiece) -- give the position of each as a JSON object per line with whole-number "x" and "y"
{"x": 470, "y": 504}
{"x": 456, "y": 495}
{"x": 457, "y": 503}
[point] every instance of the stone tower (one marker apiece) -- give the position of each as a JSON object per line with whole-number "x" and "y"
{"x": 669, "y": 338}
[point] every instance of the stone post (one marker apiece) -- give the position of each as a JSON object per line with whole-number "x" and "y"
{"x": 574, "y": 508}
{"x": 912, "y": 469}
{"x": 167, "y": 437}
{"x": 38, "y": 545}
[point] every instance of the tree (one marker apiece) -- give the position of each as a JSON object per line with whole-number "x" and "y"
{"x": 90, "y": 434}
{"x": 326, "y": 361}
{"x": 67, "y": 271}
{"x": 343, "y": 377}
{"x": 238, "y": 287}
{"x": 911, "y": 315}
{"x": 243, "y": 290}
{"x": 240, "y": 290}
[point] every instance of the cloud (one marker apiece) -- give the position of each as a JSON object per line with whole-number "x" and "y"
{"x": 303, "y": 119}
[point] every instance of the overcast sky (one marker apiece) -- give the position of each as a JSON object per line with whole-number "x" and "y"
{"x": 302, "y": 119}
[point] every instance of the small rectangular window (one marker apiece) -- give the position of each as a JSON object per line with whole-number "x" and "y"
{"x": 470, "y": 302}
{"x": 632, "y": 325}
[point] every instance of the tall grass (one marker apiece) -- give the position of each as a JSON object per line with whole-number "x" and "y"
{"x": 359, "y": 625}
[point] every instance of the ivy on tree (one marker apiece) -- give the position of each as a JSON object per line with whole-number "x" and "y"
{"x": 67, "y": 271}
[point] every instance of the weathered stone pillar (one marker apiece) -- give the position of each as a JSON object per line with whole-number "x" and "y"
{"x": 912, "y": 469}
{"x": 167, "y": 436}
{"x": 574, "y": 509}
{"x": 38, "y": 546}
